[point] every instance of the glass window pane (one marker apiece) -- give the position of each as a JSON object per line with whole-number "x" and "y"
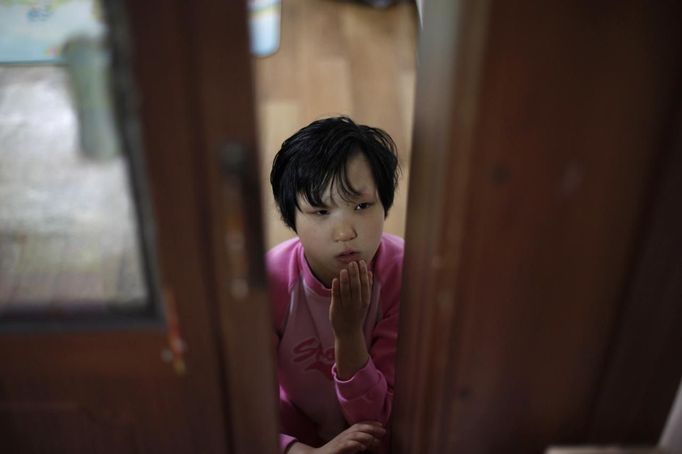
{"x": 68, "y": 226}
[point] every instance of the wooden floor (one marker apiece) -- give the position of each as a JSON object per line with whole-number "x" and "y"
{"x": 338, "y": 57}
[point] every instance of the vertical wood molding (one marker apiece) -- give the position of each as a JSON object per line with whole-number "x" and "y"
{"x": 225, "y": 106}
{"x": 202, "y": 77}
{"x": 449, "y": 69}
{"x": 538, "y": 127}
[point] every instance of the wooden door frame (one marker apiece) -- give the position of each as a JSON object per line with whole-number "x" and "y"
{"x": 441, "y": 352}
{"x": 440, "y": 349}
{"x": 484, "y": 364}
{"x": 188, "y": 400}
{"x": 201, "y": 82}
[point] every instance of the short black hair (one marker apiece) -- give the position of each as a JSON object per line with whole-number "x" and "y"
{"x": 316, "y": 156}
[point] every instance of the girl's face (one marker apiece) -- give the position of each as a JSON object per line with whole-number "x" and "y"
{"x": 341, "y": 232}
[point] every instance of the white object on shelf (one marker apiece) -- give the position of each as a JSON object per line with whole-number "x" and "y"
{"x": 264, "y": 22}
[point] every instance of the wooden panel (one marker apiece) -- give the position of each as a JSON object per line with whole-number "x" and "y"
{"x": 221, "y": 66}
{"x": 169, "y": 126}
{"x": 644, "y": 368}
{"x": 537, "y": 132}
{"x": 102, "y": 414}
{"x": 121, "y": 374}
{"x": 71, "y": 429}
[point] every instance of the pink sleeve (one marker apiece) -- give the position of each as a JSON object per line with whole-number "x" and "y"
{"x": 280, "y": 265}
{"x": 284, "y": 442}
{"x": 288, "y": 414}
{"x": 368, "y": 394}
{"x": 293, "y": 421}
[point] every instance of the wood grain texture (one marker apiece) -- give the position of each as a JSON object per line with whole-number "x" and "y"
{"x": 538, "y": 127}
{"x": 231, "y": 219}
{"x": 134, "y": 399}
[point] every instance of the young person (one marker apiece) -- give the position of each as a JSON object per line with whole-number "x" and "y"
{"x": 335, "y": 287}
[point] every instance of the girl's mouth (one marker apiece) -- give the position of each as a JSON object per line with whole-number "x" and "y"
{"x": 349, "y": 256}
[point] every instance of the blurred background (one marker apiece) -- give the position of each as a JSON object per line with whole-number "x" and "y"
{"x": 337, "y": 57}
{"x": 559, "y": 315}
{"x": 68, "y": 234}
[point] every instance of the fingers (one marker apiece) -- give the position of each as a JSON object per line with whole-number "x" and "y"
{"x": 350, "y": 299}
{"x": 336, "y": 289}
{"x": 349, "y": 447}
{"x": 336, "y": 296}
{"x": 373, "y": 428}
{"x": 364, "y": 439}
{"x": 364, "y": 280}
{"x": 358, "y": 281}
{"x": 355, "y": 283}
{"x": 345, "y": 286}
{"x": 362, "y": 436}
{"x": 357, "y": 438}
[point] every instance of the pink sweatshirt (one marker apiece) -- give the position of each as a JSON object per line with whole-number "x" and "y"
{"x": 315, "y": 405}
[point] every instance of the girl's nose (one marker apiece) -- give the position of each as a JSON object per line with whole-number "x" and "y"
{"x": 344, "y": 231}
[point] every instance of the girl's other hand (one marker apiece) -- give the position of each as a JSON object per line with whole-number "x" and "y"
{"x": 360, "y": 437}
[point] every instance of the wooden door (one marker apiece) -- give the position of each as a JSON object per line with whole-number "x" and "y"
{"x": 186, "y": 365}
{"x": 541, "y": 304}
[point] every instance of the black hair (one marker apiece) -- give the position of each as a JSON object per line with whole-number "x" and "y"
{"x": 316, "y": 156}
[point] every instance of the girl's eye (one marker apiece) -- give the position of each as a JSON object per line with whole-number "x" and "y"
{"x": 322, "y": 212}
{"x": 363, "y": 206}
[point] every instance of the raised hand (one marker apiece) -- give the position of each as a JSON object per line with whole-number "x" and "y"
{"x": 351, "y": 294}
